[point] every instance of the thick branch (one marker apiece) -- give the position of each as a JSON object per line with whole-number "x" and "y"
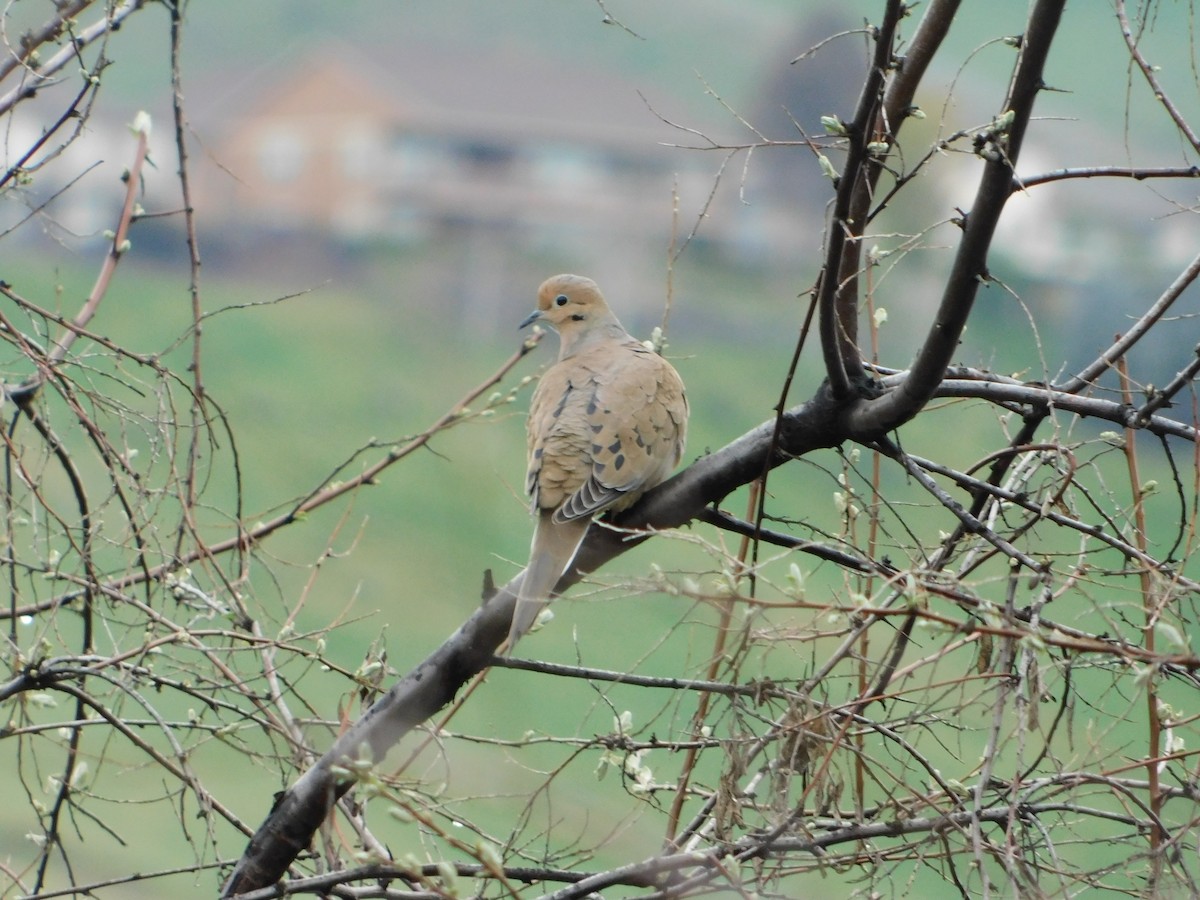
{"x": 1000, "y": 392}
{"x": 1000, "y": 153}
{"x": 926, "y": 40}
{"x": 837, "y": 297}
{"x": 876, "y": 122}
{"x": 433, "y": 683}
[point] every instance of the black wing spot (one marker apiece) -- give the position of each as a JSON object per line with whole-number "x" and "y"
{"x": 615, "y": 446}
{"x": 619, "y": 461}
{"x": 562, "y": 404}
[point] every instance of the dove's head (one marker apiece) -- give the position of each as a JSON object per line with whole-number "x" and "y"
{"x": 574, "y": 307}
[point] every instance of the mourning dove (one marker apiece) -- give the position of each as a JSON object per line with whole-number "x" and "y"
{"x": 606, "y": 424}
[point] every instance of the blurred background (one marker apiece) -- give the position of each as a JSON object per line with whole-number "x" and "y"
{"x": 380, "y": 187}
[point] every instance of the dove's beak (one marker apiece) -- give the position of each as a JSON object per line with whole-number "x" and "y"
{"x": 530, "y": 319}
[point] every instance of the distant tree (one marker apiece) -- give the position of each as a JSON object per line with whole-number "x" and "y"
{"x": 802, "y": 87}
{"x": 972, "y": 670}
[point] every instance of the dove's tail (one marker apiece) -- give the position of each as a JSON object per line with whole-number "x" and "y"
{"x": 554, "y": 547}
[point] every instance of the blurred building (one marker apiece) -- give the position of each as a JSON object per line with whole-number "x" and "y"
{"x": 437, "y": 139}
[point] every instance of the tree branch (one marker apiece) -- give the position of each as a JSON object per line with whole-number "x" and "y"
{"x": 1000, "y": 149}
{"x": 104, "y": 25}
{"x": 1143, "y": 325}
{"x": 837, "y": 295}
{"x": 433, "y": 684}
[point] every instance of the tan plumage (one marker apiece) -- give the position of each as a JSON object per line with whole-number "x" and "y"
{"x": 607, "y": 423}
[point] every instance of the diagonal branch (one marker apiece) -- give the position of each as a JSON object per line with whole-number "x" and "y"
{"x": 1000, "y": 150}
{"x": 837, "y": 294}
{"x": 299, "y": 812}
{"x": 80, "y": 38}
{"x": 1125, "y": 342}
{"x": 880, "y": 113}
{"x": 62, "y": 345}
{"x": 1149, "y": 73}
{"x": 433, "y": 684}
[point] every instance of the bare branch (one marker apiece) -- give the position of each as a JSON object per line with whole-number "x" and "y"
{"x": 70, "y": 53}
{"x": 1021, "y": 182}
{"x": 1125, "y": 342}
{"x": 1148, "y": 72}
{"x": 1000, "y": 152}
{"x": 837, "y": 292}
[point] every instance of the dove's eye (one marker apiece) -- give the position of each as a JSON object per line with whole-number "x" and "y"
{"x": 560, "y": 300}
